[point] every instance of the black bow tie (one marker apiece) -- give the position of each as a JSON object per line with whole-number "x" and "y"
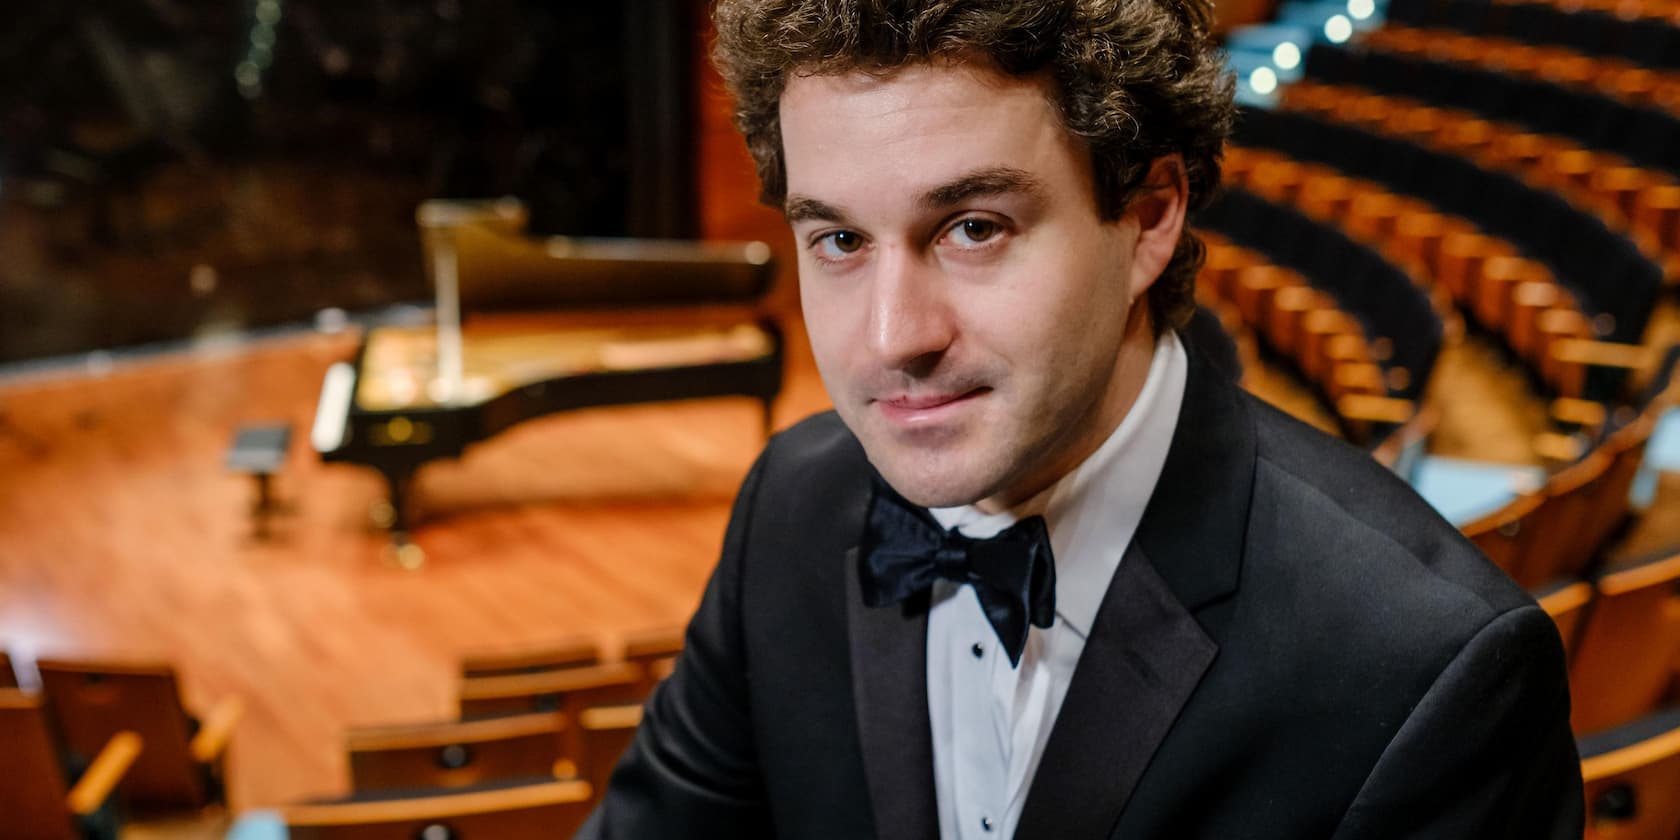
{"x": 904, "y": 552}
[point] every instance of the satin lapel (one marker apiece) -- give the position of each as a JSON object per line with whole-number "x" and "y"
{"x": 889, "y": 687}
{"x": 1144, "y": 657}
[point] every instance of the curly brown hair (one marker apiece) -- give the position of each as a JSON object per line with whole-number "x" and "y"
{"x": 1137, "y": 79}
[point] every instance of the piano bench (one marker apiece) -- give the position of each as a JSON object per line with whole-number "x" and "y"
{"x": 259, "y": 450}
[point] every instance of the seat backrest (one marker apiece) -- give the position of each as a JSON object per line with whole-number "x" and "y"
{"x": 33, "y": 787}
{"x": 570, "y": 653}
{"x": 523, "y": 812}
{"x": 1554, "y": 548}
{"x": 645, "y": 646}
{"x": 569, "y": 691}
{"x": 606, "y": 732}
{"x": 1503, "y": 533}
{"x": 1609, "y": 506}
{"x": 1624, "y": 661}
{"x": 448, "y": 755}
{"x": 566, "y": 690}
{"x": 1567, "y": 605}
{"x": 92, "y": 701}
{"x": 1633, "y": 789}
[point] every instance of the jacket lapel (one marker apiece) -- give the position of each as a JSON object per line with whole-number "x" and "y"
{"x": 889, "y": 689}
{"x": 1147, "y": 650}
{"x": 1144, "y": 657}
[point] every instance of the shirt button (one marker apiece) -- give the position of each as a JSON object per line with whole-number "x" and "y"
{"x": 978, "y": 650}
{"x": 986, "y": 823}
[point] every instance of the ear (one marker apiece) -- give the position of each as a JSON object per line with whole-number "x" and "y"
{"x": 1159, "y": 209}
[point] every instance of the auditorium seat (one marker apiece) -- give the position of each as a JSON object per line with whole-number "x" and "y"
{"x": 1625, "y": 662}
{"x": 182, "y": 765}
{"x": 538, "y": 811}
{"x": 569, "y": 691}
{"x": 566, "y": 653}
{"x": 1566, "y": 602}
{"x": 1502, "y": 534}
{"x": 1553, "y": 548}
{"x": 39, "y": 798}
{"x": 607, "y": 732}
{"x": 457, "y": 754}
{"x": 645, "y": 647}
{"x": 1632, "y": 776}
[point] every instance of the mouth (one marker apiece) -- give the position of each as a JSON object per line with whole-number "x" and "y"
{"x": 923, "y": 409}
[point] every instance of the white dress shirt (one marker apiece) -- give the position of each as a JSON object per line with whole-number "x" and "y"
{"x": 990, "y": 720}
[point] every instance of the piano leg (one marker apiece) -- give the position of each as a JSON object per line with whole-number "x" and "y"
{"x": 400, "y": 550}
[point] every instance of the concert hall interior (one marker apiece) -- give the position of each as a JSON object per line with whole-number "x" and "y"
{"x": 376, "y": 379}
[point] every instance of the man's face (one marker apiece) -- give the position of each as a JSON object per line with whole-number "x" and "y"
{"x": 966, "y": 304}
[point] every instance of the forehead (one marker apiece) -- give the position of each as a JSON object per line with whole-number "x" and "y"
{"x": 921, "y": 125}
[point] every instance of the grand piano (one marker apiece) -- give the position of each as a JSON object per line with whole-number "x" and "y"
{"x": 639, "y": 321}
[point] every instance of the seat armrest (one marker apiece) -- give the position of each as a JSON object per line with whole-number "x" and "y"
{"x": 1578, "y": 412}
{"x": 96, "y": 785}
{"x": 212, "y": 738}
{"x": 1369, "y": 408}
{"x": 1600, "y": 353}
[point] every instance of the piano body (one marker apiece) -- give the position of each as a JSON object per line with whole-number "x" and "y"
{"x": 415, "y": 394}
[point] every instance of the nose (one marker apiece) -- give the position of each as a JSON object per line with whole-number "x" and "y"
{"x": 910, "y": 323}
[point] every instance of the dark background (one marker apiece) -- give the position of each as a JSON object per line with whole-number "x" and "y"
{"x": 178, "y": 168}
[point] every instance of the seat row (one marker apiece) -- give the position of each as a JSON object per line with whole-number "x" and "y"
{"x": 1603, "y": 287}
{"x": 1648, "y": 40}
{"x": 1304, "y": 326}
{"x": 538, "y": 734}
{"x": 1580, "y": 135}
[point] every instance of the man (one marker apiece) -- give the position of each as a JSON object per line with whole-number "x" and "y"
{"x": 1197, "y": 617}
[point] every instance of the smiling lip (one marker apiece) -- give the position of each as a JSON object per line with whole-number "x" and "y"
{"x": 924, "y": 408}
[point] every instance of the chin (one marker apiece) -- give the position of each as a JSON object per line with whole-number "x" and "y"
{"x": 931, "y": 486}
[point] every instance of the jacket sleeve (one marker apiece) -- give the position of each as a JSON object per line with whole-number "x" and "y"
{"x": 692, "y": 769}
{"x": 1487, "y": 752}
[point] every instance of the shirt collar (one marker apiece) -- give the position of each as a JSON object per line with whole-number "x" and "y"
{"x": 1094, "y": 510}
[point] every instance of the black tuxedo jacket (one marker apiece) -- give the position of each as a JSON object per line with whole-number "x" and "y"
{"x": 1294, "y": 646}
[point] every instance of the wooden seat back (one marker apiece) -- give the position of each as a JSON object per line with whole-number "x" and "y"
{"x": 33, "y": 788}
{"x": 649, "y": 645}
{"x": 1503, "y": 533}
{"x": 524, "y": 812}
{"x": 1610, "y": 506}
{"x": 1554, "y": 548}
{"x": 1567, "y": 605}
{"x": 92, "y": 701}
{"x": 606, "y": 733}
{"x": 1633, "y": 793}
{"x": 569, "y": 691}
{"x": 455, "y": 754}
{"x": 647, "y": 648}
{"x": 1624, "y": 662}
{"x": 568, "y": 653}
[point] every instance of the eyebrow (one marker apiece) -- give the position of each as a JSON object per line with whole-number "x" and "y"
{"x": 993, "y": 180}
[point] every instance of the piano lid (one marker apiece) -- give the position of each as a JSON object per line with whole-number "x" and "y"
{"x": 400, "y": 369}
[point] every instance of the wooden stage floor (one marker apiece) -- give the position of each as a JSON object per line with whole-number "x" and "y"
{"x": 122, "y": 535}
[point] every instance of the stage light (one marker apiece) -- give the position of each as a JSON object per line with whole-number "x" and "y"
{"x": 1263, "y": 80}
{"x": 1361, "y": 9}
{"x": 1286, "y": 56}
{"x": 1338, "y": 29}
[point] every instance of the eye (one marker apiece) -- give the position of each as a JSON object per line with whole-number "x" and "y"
{"x": 974, "y": 231}
{"x": 838, "y": 245}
